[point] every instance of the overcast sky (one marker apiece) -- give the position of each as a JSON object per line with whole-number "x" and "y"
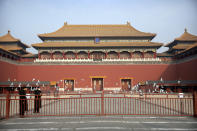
{"x": 166, "y": 18}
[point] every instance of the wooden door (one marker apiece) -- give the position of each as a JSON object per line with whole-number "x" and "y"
{"x": 126, "y": 84}
{"x": 69, "y": 85}
{"x": 97, "y": 84}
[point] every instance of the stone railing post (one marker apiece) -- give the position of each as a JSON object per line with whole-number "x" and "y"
{"x": 7, "y": 104}
{"x": 102, "y": 103}
{"x": 195, "y": 102}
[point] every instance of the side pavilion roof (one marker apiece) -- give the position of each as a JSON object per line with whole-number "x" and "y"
{"x": 9, "y": 38}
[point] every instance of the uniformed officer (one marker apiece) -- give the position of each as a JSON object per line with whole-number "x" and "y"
{"x": 26, "y": 102}
{"x": 22, "y": 101}
{"x": 37, "y": 101}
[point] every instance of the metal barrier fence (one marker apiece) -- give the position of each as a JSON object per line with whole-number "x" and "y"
{"x": 98, "y": 105}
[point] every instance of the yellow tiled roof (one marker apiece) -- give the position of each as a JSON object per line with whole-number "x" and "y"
{"x": 184, "y": 37}
{"x": 9, "y": 38}
{"x": 189, "y": 47}
{"x": 187, "y": 37}
{"x": 12, "y": 48}
{"x": 29, "y": 55}
{"x": 92, "y": 44}
{"x": 164, "y": 54}
{"x": 1, "y": 47}
{"x": 181, "y": 46}
{"x": 96, "y": 31}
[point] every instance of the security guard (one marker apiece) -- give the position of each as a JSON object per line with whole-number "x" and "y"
{"x": 37, "y": 101}
{"x": 22, "y": 101}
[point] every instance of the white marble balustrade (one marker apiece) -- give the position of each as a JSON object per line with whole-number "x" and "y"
{"x": 91, "y": 60}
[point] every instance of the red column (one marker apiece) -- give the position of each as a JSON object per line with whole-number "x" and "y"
{"x": 63, "y": 55}
{"x": 39, "y": 56}
{"x": 88, "y": 54}
{"x": 131, "y": 53}
{"x": 106, "y": 55}
{"x": 51, "y": 55}
{"x": 76, "y": 56}
{"x": 142, "y": 54}
{"x": 155, "y": 54}
{"x": 118, "y": 55}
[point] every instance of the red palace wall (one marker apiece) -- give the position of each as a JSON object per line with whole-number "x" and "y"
{"x": 187, "y": 70}
{"x": 112, "y": 73}
{"x": 8, "y": 71}
{"x": 82, "y": 73}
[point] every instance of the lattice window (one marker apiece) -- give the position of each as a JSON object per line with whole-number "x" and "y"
{"x": 45, "y": 55}
{"x": 124, "y": 55}
{"x": 112, "y": 55}
{"x": 149, "y": 55}
{"x": 70, "y": 55}
{"x": 57, "y": 55}
{"x": 82, "y": 55}
{"x": 137, "y": 55}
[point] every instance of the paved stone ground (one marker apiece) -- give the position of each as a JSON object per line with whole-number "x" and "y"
{"x": 97, "y": 123}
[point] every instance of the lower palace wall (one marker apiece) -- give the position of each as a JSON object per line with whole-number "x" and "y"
{"x": 111, "y": 74}
{"x": 187, "y": 70}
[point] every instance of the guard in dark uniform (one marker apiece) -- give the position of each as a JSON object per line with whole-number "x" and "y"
{"x": 22, "y": 101}
{"x": 26, "y": 102}
{"x": 37, "y": 101}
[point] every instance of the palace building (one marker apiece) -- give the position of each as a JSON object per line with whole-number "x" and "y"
{"x": 98, "y": 57}
{"x": 96, "y": 43}
{"x": 13, "y": 45}
{"x": 185, "y": 41}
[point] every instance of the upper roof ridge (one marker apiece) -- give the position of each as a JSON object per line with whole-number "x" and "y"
{"x": 97, "y": 30}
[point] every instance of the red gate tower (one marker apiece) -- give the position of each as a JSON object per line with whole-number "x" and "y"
{"x": 98, "y": 57}
{"x": 97, "y": 44}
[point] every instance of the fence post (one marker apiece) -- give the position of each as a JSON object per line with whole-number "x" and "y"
{"x": 195, "y": 102}
{"x": 102, "y": 103}
{"x": 7, "y": 104}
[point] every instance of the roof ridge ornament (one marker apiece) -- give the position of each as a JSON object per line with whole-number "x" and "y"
{"x": 8, "y": 31}
{"x": 128, "y": 23}
{"x": 65, "y": 23}
{"x": 185, "y": 29}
